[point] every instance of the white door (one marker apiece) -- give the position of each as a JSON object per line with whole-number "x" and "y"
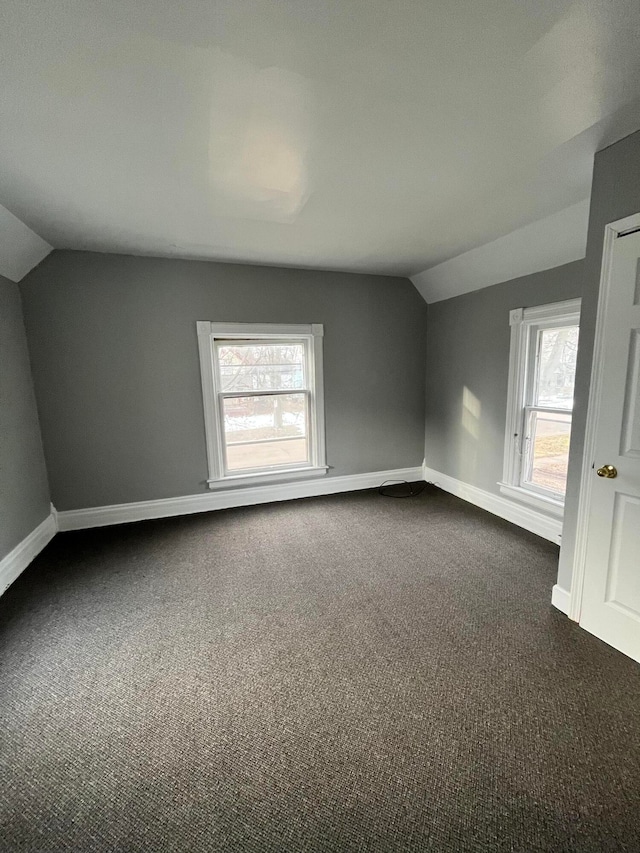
{"x": 611, "y": 592}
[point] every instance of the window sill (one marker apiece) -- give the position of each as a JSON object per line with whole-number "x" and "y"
{"x": 548, "y": 505}
{"x": 268, "y": 477}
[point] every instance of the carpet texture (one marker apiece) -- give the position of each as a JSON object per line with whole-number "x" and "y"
{"x": 346, "y": 673}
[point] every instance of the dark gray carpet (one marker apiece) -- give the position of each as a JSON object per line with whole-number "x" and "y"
{"x": 334, "y": 674}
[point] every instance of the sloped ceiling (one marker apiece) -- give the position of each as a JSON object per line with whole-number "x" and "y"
{"x": 365, "y": 136}
{"x": 550, "y": 242}
{"x": 21, "y": 249}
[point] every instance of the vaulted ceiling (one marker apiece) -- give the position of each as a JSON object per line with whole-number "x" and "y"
{"x": 367, "y": 135}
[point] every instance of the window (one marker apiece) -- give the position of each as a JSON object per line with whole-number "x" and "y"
{"x": 263, "y": 401}
{"x": 542, "y": 367}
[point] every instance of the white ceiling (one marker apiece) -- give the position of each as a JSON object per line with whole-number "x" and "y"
{"x": 366, "y": 135}
{"x": 549, "y": 242}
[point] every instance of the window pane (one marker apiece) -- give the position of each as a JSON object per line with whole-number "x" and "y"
{"x": 557, "y": 350}
{"x": 548, "y": 451}
{"x": 266, "y": 430}
{"x": 261, "y": 366}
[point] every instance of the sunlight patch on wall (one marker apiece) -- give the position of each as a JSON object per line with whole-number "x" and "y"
{"x": 471, "y": 410}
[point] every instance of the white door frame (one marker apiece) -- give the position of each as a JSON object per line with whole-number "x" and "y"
{"x": 611, "y": 232}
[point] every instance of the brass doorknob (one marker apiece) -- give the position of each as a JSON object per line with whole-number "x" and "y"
{"x": 608, "y": 471}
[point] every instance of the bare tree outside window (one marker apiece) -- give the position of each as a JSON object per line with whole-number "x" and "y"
{"x": 548, "y": 421}
{"x": 265, "y": 428}
{"x": 558, "y": 349}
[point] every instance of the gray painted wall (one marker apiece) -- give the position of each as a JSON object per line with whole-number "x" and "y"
{"x": 116, "y": 371}
{"x": 468, "y": 343}
{"x": 24, "y": 492}
{"x": 615, "y": 194}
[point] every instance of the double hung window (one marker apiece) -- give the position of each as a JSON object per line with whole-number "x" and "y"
{"x": 263, "y": 401}
{"x": 544, "y": 345}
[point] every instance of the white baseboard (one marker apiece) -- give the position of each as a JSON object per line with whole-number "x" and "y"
{"x": 524, "y": 516}
{"x": 17, "y": 560}
{"x": 560, "y": 599}
{"x": 79, "y": 519}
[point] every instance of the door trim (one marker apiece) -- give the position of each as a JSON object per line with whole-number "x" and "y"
{"x": 611, "y": 232}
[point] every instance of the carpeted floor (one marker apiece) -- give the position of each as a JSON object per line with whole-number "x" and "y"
{"x": 333, "y": 674}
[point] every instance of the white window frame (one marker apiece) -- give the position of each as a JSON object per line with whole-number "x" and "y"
{"x": 311, "y": 335}
{"x": 525, "y": 324}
